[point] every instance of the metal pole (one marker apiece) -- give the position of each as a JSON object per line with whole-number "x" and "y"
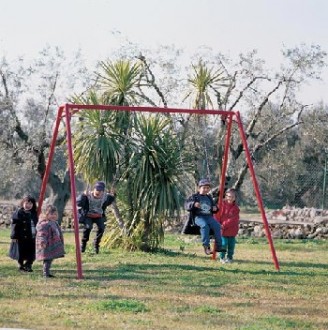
{"x": 257, "y": 190}
{"x": 50, "y": 158}
{"x": 73, "y": 191}
{"x": 324, "y": 182}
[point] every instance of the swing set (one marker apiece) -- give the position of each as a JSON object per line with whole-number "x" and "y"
{"x": 66, "y": 112}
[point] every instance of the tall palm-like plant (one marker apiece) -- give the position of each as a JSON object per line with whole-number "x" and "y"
{"x": 156, "y": 168}
{"x": 96, "y": 143}
{"x": 156, "y": 162}
{"x": 118, "y": 82}
{"x": 205, "y": 85}
{"x": 140, "y": 148}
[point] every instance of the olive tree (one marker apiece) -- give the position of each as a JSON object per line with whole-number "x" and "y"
{"x": 30, "y": 93}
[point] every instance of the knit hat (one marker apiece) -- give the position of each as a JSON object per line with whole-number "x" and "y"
{"x": 28, "y": 198}
{"x": 204, "y": 182}
{"x": 99, "y": 186}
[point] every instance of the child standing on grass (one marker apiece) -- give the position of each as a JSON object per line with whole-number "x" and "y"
{"x": 23, "y": 232}
{"x": 202, "y": 207}
{"x": 49, "y": 239}
{"x": 229, "y": 219}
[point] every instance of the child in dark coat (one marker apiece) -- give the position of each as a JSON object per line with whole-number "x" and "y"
{"x": 92, "y": 206}
{"x": 23, "y": 232}
{"x": 49, "y": 239}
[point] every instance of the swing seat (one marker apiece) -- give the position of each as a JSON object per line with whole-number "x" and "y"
{"x": 190, "y": 228}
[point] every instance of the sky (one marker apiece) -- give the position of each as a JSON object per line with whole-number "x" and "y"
{"x": 227, "y": 26}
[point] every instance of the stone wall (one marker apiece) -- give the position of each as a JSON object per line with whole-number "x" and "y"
{"x": 287, "y": 223}
{"x": 8, "y": 208}
{"x": 286, "y": 231}
{"x": 6, "y": 211}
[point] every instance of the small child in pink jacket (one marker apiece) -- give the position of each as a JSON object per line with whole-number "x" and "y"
{"x": 229, "y": 220}
{"x": 49, "y": 239}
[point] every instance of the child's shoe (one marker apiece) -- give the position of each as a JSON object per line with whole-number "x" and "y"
{"x": 83, "y": 246}
{"x": 223, "y": 261}
{"x": 207, "y": 250}
{"x": 28, "y": 268}
{"x": 228, "y": 261}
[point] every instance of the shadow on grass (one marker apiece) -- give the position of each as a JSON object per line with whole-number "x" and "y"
{"x": 142, "y": 272}
{"x": 286, "y": 264}
{"x": 178, "y": 278}
{"x": 304, "y": 265}
{"x": 282, "y": 264}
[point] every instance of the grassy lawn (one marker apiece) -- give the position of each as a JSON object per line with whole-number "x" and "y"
{"x": 178, "y": 288}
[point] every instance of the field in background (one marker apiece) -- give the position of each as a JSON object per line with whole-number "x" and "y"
{"x": 177, "y": 288}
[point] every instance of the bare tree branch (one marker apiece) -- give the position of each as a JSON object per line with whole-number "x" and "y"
{"x": 243, "y": 170}
{"x": 251, "y": 125}
{"x": 152, "y": 80}
{"x": 243, "y": 91}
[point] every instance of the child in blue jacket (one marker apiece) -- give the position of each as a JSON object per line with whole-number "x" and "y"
{"x": 202, "y": 207}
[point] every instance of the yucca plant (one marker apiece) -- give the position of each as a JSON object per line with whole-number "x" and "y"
{"x": 140, "y": 150}
{"x": 206, "y": 85}
{"x": 156, "y": 171}
{"x": 118, "y": 82}
{"x": 97, "y": 144}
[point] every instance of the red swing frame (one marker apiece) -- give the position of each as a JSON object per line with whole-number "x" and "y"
{"x": 67, "y": 111}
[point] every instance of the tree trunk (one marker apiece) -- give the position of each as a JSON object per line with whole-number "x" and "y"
{"x": 60, "y": 193}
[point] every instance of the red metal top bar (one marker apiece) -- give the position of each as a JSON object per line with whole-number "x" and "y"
{"x": 147, "y": 109}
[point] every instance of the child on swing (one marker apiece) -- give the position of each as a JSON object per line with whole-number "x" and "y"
{"x": 202, "y": 207}
{"x": 92, "y": 206}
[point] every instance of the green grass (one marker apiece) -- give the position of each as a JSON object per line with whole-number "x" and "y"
{"x": 176, "y": 288}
